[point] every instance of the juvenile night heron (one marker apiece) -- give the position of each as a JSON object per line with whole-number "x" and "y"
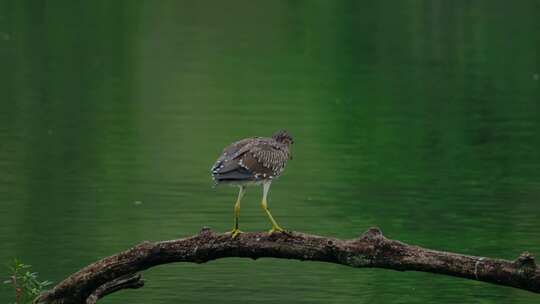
{"x": 253, "y": 161}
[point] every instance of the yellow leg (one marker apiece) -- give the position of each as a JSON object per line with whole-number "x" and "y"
{"x": 275, "y": 226}
{"x": 264, "y": 205}
{"x": 236, "y": 231}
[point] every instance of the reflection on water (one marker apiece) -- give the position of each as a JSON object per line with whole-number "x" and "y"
{"x": 419, "y": 118}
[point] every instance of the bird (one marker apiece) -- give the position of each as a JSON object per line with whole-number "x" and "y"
{"x": 253, "y": 161}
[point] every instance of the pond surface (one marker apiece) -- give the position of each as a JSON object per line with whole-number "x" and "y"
{"x": 421, "y": 118}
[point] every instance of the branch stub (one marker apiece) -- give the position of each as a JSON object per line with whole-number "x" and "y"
{"x": 525, "y": 262}
{"x": 205, "y": 231}
{"x": 372, "y": 233}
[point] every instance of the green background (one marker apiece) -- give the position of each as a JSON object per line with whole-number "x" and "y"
{"x": 419, "y": 117}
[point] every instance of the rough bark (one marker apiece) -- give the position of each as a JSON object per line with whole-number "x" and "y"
{"x": 132, "y": 281}
{"x": 371, "y": 249}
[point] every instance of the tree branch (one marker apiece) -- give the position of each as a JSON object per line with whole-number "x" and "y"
{"x": 371, "y": 249}
{"x": 132, "y": 281}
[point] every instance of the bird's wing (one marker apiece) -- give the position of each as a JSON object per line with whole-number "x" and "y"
{"x": 224, "y": 163}
{"x": 251, "y": 158}
{"x": 265, "y": 158}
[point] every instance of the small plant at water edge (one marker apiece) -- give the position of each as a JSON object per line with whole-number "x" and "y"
{"x": 24, "y": 282}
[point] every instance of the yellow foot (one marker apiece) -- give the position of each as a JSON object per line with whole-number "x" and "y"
{"x": 235, "y": 232}
{"x": 274, "y": 229}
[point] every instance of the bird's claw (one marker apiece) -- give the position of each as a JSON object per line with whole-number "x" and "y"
{"x": 235, "y": 232}
{"x": 278, "y": 229}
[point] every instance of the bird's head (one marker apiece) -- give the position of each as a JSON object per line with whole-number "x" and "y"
{"x": 284, "y": 137}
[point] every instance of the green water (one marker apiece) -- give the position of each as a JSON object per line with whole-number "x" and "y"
{"x": 419, "y": 117}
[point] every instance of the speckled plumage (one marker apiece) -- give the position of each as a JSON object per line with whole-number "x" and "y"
{"x": 253, "y": 160}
